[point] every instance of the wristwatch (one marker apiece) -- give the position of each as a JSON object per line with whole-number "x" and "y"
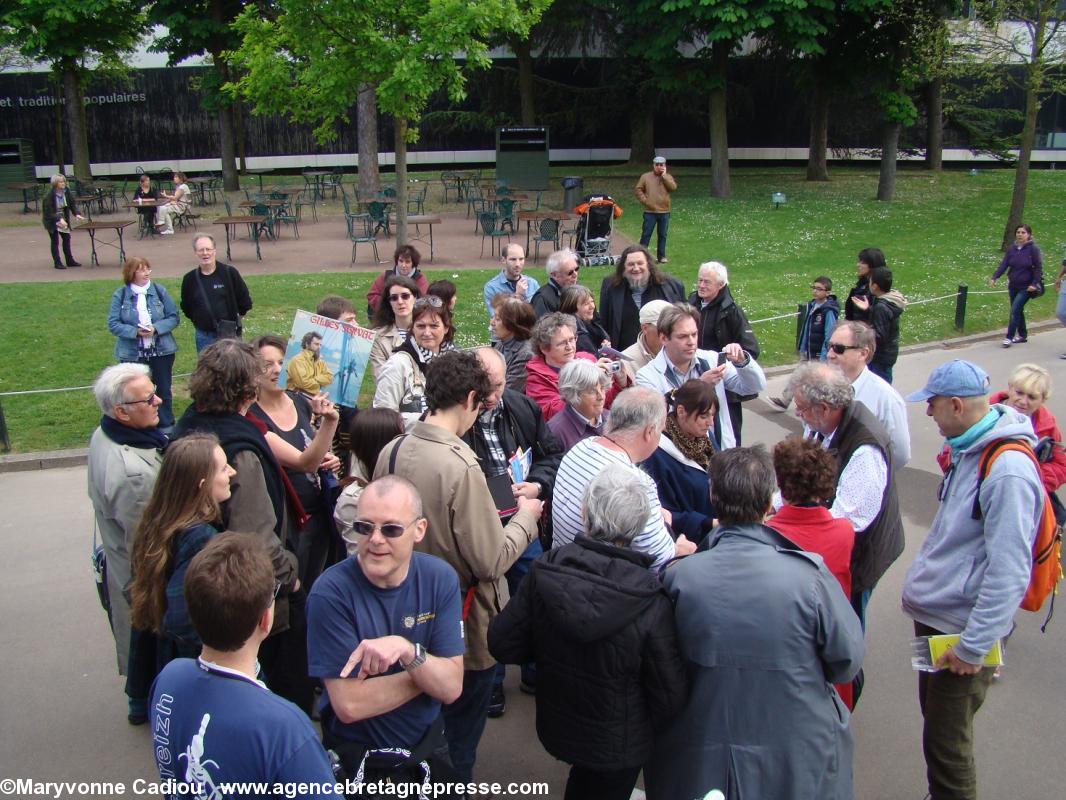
{"x": 418, "y": 660}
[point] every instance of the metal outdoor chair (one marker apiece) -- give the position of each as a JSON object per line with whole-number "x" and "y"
{"x": 490, "y": 230}
{"x": 505, "y": 211}
{"x": 379, "y": 215}
{"x": 286, "y": 213}
{"x": 450, "y": 183}
{"x": 307, "y": 198}
{"x": 349, "y": 215}
{"x": 547, "y": 231}
{"x": 416, "y": 200}
{"x": 361, "y": 231}
{"x": 332, "y": 181}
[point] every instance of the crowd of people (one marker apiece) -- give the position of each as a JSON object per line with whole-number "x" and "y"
{"x": 559, "y": 499}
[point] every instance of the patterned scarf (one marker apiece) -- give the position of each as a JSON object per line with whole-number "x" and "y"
{"x": 698, "y": 448}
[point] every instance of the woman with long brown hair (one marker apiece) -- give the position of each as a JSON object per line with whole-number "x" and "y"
{"x": 180, "y": 517}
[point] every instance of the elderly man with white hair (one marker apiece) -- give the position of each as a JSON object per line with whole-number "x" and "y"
{"x": 723, "y": 322}
{"x": 563, "y": 270}
{"x": 638, "y": 416}
{"x": 647, "y": 345}
{"x": 125, "y": 454}
{"x": 583, "y": 385}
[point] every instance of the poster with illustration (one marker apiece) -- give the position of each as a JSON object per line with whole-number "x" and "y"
{"x": 343, "y": 350}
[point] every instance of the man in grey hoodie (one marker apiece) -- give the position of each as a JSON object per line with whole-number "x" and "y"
{"x": 970, "y": 574}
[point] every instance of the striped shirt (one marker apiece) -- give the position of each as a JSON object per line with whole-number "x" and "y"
{"x": 581, "y": 464}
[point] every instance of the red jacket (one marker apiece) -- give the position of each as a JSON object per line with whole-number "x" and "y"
{"x": 1052, "y": 473}
{"x": 373, "y": 297}
{"x": 817, "y": 531}
{"x": 542, "y": 386}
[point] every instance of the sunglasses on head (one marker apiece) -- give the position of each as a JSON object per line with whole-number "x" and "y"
{"x": 429, "y": 300}
{"x": 390, "y": 530}
{"x": 840, "y": 349}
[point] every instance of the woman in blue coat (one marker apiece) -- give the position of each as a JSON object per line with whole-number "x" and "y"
{"x": 679, "y": 466}
{"x": 142, "y": 318}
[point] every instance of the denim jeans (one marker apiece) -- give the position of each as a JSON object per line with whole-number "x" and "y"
{"x": 1019, "y": 296}
{"x": 204, "y": 338}
{"x": 162, "y": 368}
{"x": 949, "y": 703}
{"x": 1060, "y": 309}
{"x": 514, "y": 575}
{"x": 650, "y": 221}
{"x": 464, "y": 720}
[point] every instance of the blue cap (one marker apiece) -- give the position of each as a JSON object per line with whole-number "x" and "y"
{"x": 956, "y": 378}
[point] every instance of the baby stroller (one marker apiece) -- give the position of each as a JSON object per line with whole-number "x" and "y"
{"x": 593, "y": 233}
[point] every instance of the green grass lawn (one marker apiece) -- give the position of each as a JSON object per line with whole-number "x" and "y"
{"x": 941, "y": 231}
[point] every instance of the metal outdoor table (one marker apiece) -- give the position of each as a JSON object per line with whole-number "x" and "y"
{"x": 118, "y": 227}
{"x": 259, "y": 173}
{"x": 274, "y": 206}
{"x": 232, "y": 222}
{"x": 318, "y": 175}
{"x": 199, "y": 183}
{"x": 26, "y": 188}
{"x": 423, "y": 219}
{"x": 147, "y": 221}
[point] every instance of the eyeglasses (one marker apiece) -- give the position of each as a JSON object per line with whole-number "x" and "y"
{"x": 390, "y": 530}
{"x": 148, "y": 400}
{"x": 816, "y": 287}
{"x": 395, "y": 298}
{"x": 430, "y": 300}
{"x": 143, "y": 269}
{"x": 277, "y": 588}
{"x": 840, "y": 349}
{"x": 572, "y": 272}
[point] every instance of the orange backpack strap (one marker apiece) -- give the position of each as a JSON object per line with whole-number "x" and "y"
{"x": 988, "y": 455}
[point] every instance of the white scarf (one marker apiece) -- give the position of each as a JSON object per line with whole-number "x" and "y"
{"x": 140, "y": 294}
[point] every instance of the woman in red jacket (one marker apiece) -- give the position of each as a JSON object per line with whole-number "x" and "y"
{"x": 806, "y": 476}
{"x": 1028, "y": 389}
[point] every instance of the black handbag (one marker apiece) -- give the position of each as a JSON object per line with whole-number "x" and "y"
{"x": 98, "y": 560}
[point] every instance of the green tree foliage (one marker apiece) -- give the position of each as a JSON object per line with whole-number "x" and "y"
{"x": 74, "y": 38}
{"x": 310, "y": 59}
{"x": 193, "y": 28}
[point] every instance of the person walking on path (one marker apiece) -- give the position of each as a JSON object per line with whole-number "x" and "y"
{"x": 653, "y": 190}
{"x": 1024, "y": 265}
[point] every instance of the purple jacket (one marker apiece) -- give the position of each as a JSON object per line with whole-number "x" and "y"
{"x": 1024, "y": 265}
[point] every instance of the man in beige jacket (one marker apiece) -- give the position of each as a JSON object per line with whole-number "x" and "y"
{"x": 653, "y": 190}
{"x": 464, "y": 528}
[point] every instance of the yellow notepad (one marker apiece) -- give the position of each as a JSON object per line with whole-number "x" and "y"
{"x": 938, "y": 645}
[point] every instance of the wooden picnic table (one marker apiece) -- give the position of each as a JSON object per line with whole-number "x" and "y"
{"x": 254, "y": 222}
{"x": 118, "y": 226}
{"x": 423, "y": 219}
{"x": 26, "y": 187}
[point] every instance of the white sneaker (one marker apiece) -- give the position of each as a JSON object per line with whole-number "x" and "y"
{"x": 1007, "y": 342}
{"x": 166, "y": 233}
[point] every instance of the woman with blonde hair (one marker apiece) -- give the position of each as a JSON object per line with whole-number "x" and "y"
{"x": 180, "y": 517}
{"x": 1028, "y": 390}
{"x": 176, "y": 205}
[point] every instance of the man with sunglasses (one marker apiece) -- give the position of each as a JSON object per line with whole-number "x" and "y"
{"x": 850, "y": 347}
{"x": 384, "y": 632}
{"x": 563, "y": 271}
{"x": 125, "y": 454}
{"x": 464, "y": 528}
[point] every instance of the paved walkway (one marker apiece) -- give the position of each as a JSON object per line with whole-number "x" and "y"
{"x": 62, "y": 714}
{"x": 323, "y": 246}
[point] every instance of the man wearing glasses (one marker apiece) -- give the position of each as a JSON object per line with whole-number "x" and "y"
{"x": 851, "y": 347}
{"x": 125, "y": 454}
{"x": 384, "y": 632}
{"x": 562, "y": 272}
{"x": 214, "y": 296}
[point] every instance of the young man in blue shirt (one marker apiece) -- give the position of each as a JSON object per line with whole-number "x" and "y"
{"x": 213, "y": 722}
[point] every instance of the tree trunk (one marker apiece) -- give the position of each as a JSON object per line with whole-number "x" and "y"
{"x": 401, "y": 181}
{"x": 524, "y": 53}
{"x": 367, "y": 126}
{"x": 61, "y": 163}
{"x": 719, "y": 129}
{"x": 242, "y": 151}
{"x": 886, "y": 181}
{"x": 934, "y": 135}
{"x": 227, "y": 138}
{"x": 1034, "y": 79}
{"x": 74, "y": 102}
{"x": 817, "y": 164}
{"x": 642, "y": 131}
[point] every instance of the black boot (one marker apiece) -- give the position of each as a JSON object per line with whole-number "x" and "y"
{"x": 58, "y": 265}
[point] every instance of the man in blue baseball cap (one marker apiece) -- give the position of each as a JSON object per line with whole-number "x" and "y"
{"x": 970, "y": 574}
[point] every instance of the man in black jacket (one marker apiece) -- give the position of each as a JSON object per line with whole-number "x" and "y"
{"x": 722, "y": 322}
{"x": 635, "y": 282}
{"x": 563, "y": 271}
{"x": 511, "y": 421}
{"x": 212, "y": 294}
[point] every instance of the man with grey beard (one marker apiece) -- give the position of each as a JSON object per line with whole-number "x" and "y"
{"x": 637, "y": 280}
